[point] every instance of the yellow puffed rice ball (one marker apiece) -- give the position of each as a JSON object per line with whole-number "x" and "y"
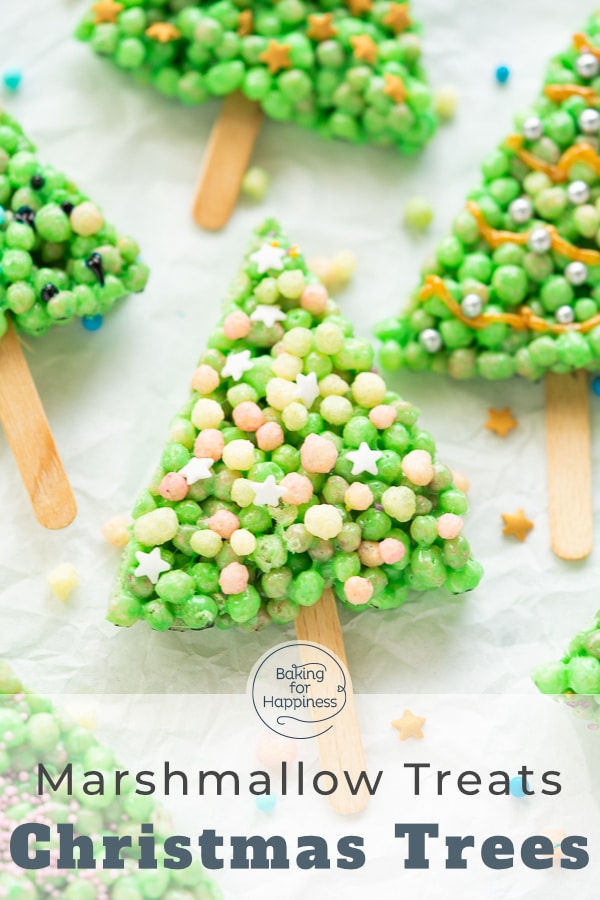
{"x": 280, "y": 393}
{"x": 323, "y": 521}
{"x": 298, "y": 341}
{"x": 336, "y": 410}
{"x": 295, "y": 416}
{"x": 287, "y": 366}
{"x": 329, "y": 338}
{"x": 239, "y": 455}
{"x": 291, "y": 283}
{"x": 206, "y": 543}
{"x": 368, "y": 389}
{"x": 400, "y": 503}
{"x": 243, "y": 542}
{"x": 242, "y": 493}
{"x": 207, "y": 413}
{"x": 62, "y": 580}
{"x": 333, "y": 385}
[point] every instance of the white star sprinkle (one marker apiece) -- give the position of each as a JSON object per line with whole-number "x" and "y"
{"x": 268, "y": 492}
{"x": 236, "y": 364}
{"x": 364, "y": 459}
{"x": 197, "y": 469}
{"x": 307, "y": 388}
{"x": 268, "y": 257}
{"x": 151, "y": 565}
{"x": 268, "y": 315}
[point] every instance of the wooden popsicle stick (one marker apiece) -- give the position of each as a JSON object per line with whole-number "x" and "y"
{"x": 226, "y": 160}
{"x": 341, "y": 747}
{"x": 30, "y": 439}
{"x": 569, "y": 464}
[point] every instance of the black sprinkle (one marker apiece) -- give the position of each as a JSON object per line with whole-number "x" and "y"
{"x": 67, "y": 207}
{"x": 378, "y": 506}
{"x": 37, "y": 182}
{"x": 25, "y": 215}
{"x": 48, "y": 292}
{"x": 94, "y": 263}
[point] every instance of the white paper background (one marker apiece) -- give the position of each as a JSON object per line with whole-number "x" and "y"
{"x": 110, "y": 395}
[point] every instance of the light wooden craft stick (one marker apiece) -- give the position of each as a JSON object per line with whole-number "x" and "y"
{"x": 341, "y": 747}
{"x": 569, "y": 464}
{"x": 30, "y": 439}
{"x": 226, "y": 160}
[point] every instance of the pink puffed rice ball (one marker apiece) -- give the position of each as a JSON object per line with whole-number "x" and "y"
{"x": 236, "y": 325}
{"x": 370, "y": 554}
{"x": 248, "y": 416}
{"x": 270, "y": 436}
{"x": 462, "y": 482}
{"x": 449, "y": 526}
{"x": 205, "y": 379}
{"x": 273, "y": 750}
{"x": 314, "y": 299}
{"x": 209, "y": 444}
{"x": 358, "y": 590}
{"x": 358, "y": 496}
{"x": 298, "y": 489}
{"x": 392, "y": 550}
{"x": 318, "y": 454}
{"x": 418, "y": 467}
{"x": 382, "y": 416}
{"x": 173, "y": 486}
{"x": 224, "y": 523}
{"x": 233, "y": 578}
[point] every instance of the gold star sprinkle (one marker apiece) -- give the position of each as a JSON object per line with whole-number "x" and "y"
{"x": 276, "y": 56}
{"x": 397, "y": 17}
{"x": 245, "y": 23}
{"x": 364, "y": 48}
{"x": 410, "y": 726}
{"x": 321, "y": 28}
{"x": 357, "y": 7}
{"x": 394, "y": 88}
{"x": 106, "y": 11}
{"x": 163, "y": 32}
{"x": 501, "y": 421}
{"x": 517, "y": 524}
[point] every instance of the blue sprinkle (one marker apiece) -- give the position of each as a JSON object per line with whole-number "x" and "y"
{"x": 502, "y": 74}
{"x": 92, "y": 323}
{"x": 2, "y": 215}
{"x": 516, "y": 787}
{"x": 12, "y": 79}
{"x": 266, "y": 802}
{"x": 596, "y": 385}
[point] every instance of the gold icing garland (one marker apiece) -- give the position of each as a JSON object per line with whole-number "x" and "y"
{"x": 524, "y": 318}
{"x": 495, "y": 238}
{"x": 558, "y": 172}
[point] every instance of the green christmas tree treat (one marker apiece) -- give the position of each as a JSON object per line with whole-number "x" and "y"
{"x": 33, "y": 732}
{"x": 514, "y": 289}
{"x": 291, "y": 469}
{"x": 350, "y": 71}
{"x": 59, "y": 260}
{"x": 576, "y": 677}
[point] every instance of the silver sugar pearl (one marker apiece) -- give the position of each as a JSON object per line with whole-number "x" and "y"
{"x": 589, "y": 121}
{"x": 587, "y": 65}
{"x": 471, "y": 305}
{"x": 540, "y": 240}
{"x": 564, "y": 315}
{"x": 576, "y": 272}
{"x": 532, "y": 128}
{"x": 430, "y": 340}
{"x": 578, "y": 192}
{"x": 521, "y": 210}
